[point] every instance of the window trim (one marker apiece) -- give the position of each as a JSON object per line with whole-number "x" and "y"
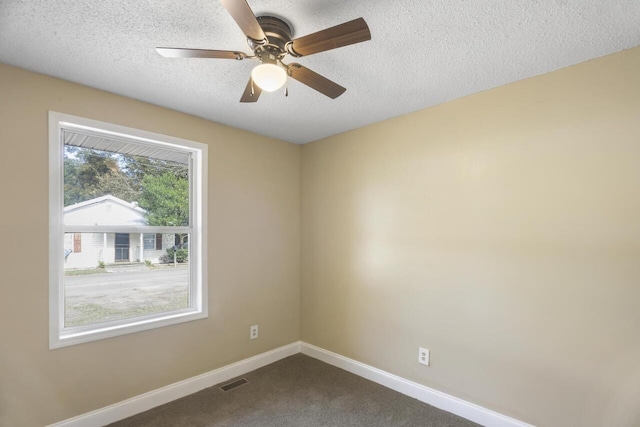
{"x": 59, "y": 336}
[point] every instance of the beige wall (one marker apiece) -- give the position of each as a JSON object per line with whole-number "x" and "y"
{"x": 254, "y": 258}
{"x": 501, "y": 231}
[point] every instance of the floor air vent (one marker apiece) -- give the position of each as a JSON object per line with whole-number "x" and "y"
{"x": 234, "y": 384}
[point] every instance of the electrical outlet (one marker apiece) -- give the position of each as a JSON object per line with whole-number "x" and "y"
{"x": 253, "y": 332}
{"x": 423, "y": 356}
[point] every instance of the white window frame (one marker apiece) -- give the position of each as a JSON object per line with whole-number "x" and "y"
{"x": 59, "y": 336}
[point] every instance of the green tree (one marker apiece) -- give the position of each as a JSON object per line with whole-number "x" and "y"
{"x": 85, "y": 171}
{"x": 160, "y": 187}
{"x": 165, "y": 198}
{"x": 72, "y": 191}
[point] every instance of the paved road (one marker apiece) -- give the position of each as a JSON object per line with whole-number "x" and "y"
{"x": 166, "y": 276}
{"x": 109, "y": 296}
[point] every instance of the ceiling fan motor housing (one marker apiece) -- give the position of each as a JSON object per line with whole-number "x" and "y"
{"x": 277, "y": 31}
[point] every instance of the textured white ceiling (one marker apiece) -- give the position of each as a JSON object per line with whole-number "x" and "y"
{"x": 422, "y": 53}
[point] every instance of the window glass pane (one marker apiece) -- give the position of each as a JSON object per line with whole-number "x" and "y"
{"x": 115, "y": 277}
{"x": 109, "y": 188}
{"x": 112, "y": 276}
{"x": 149, "y": 241}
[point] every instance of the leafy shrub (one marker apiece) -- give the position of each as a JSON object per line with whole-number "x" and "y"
{"x": 182, "y": 255}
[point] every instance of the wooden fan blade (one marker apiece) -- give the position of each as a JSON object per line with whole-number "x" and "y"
{"x": 245, "y": 18}
{"x": 176, "y": 52}
{"x": 351, "y": 32}
{"x": 315, "y": 81}
{"x": 251, "y": 94}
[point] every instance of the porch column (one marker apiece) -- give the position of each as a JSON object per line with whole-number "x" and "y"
{"x": 104, "y": 246}
{"x": 141, "y": 247}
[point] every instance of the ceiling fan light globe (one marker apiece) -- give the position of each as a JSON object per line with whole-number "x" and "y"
{"x": 269, "y": 77}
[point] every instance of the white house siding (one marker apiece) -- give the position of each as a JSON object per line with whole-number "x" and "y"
{"x": 154, "y": 255}
{"x": 105, "y": 210}
{"x": 108, "y": 210}
{"x": 91, "y": 250}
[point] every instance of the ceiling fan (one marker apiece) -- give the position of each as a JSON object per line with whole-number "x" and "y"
{"x": 270, "y": 39}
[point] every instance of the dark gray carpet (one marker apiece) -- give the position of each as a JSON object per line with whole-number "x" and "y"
{"x": 297, "y": 391}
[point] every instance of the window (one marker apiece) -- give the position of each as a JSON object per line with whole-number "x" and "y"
{"x": 127, "y": 230}
{"x": 153, "y": 241}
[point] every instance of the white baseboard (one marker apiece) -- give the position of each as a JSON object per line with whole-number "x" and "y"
{"x": 146, "y": 401}
{"x": 150, "y": 400}
{"x": 470, "y": 411}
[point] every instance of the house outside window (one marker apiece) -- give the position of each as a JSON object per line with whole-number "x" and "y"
{"x": 120, "y": 199}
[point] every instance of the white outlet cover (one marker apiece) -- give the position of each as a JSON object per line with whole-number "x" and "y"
{"x": 253, "y": 332}
{"x": 423, "y": 356}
